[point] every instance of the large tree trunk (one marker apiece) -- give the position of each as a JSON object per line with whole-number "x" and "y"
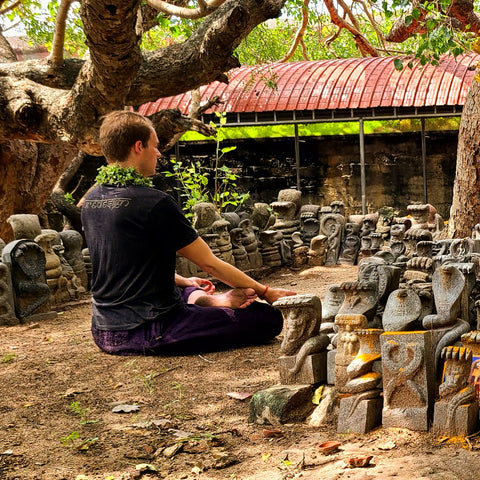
{"x": 28, "y": 172}
{"x": 465, "y": 211}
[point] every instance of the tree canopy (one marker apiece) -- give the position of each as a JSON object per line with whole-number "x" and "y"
{"x": 110, "y": 55}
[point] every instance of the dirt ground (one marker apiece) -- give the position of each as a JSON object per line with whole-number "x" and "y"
{"x": 58, "y": 393}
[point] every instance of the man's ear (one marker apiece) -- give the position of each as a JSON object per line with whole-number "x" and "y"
{"x": 138, "y": 147}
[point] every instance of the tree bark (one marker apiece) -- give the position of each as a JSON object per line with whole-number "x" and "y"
{"x": 60, "y": 109}
{"x": 465, "y": 210}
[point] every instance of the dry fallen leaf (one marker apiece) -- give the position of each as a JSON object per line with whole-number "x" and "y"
{"x": 271, "y": 433}
{"x": 358, "y": 462}
{"x": 125, "y": 408}
{"x": 239, "y": 395}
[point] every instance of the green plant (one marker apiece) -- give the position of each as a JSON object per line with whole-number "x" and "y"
{"x": 73, "y": 440}
{"x": 193, "y": 180}
{"x": 82, "y": 413}
{"x": 193, "y": 183}
{"x": 69, "y": 198}
{"x": 8, "y": 357}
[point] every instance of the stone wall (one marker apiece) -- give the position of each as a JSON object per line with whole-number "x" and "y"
{"x": 330, "y": 168}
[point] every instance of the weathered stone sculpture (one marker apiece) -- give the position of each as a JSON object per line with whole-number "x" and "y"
{"x": 25, "y": 226}
{"x": 261, "y": 216}
{"x": 204, "y": 214}
{"x": 53, "y": 269}
{"x": 88, "y": 265}
{"x": 456, "y": 412}
{"x": 350, "y": 245}
{"x": 223, "y": 241}
{"x": 269, "y": 249}
{"x": 238, "y": 250}
{"x": 333, "y": 300}
{"x": 362, "y": 411}
{"x": 448, "y": 284}
{"x": 332, "y": 226}
{"x": 26, "y": 260}
{"x": 361, "y": 298}
{"x": 347, "y": 345}
{"x": 250, "y": 243}
{"x": 72, "y": 242}
{"x": 7, "y": 312}
{"x": 408, "y": 379}
{"x": 317, "y": 252}
{"x": 402, "y": 310}
{"x": 301, "y": 361}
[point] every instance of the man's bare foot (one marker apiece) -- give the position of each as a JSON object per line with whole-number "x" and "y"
{"x": 236, "y": 298}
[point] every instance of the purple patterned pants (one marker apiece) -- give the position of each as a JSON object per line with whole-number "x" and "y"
{"x": 194, "y": 329}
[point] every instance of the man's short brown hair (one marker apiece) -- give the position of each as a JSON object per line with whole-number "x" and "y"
{"x": 120, "y": 131}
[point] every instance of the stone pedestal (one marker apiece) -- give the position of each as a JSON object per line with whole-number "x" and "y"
{"x": 281, "y": 404}
{"x": 465, "y": 420}
{"x": 313, "y": 370}
{"x": 359, "y": 416}
{"x": 331, "y": 366}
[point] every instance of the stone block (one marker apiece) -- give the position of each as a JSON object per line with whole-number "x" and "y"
{"x": 359, "y": 417}
{"x": 331, "y": 367}
{"x": 408, "y": 379}
{"x": 281, "y": 404}
{"x": 313, "y": 369}
{"x": 465, "y": 420}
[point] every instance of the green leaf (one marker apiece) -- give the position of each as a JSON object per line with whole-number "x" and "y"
{"x": 398, "y": 64}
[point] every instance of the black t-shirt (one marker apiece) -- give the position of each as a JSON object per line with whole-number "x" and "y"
{"x": 133, "y": 234}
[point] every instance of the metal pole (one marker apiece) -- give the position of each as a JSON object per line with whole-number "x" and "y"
{"x": 297, "y": 156}
{"x": 362, "y": 167}
{"x": 424, "y": 162}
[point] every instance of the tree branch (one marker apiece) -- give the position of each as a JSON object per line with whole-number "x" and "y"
{"x": 366, "y": 49}
{"x": 204, "y": 9}
{"x": 56, "y": 55}
{"x": 5, "y": 10}
{"x": 300, "y": 33}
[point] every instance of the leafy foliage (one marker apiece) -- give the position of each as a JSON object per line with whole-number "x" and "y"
{"x": 119, "y": 176}
{"x": 193, "y": 179}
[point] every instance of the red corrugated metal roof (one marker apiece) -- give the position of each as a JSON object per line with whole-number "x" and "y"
{"x": 348, "y": 83}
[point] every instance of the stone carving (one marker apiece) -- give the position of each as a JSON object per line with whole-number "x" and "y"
{"x": 350, "y": 245}
{"x": 299, "y": 257}
{"x": 88, "y": 265}
{"x": 309, "y": 226}
{"x": 318, "y": 251}
{"x": 338, "y": 207}
{"x": 385, "y": 277}
{"x": 347, "y": 344}
{"x": 53, "y": 269}
{"x": 360, "y": 298}
{"x": 412, "y": 237}
{"x": 286, "y": 221}
{"x": 402, "y": 310}
{"x": 369, "y": 224}
{"x": 332, "y": 225}
{"x": 408, "y": 379}
{"x": 334, "y": 297}
{"x": 385, "y": 219}
{"x": 456, "y": 412}
{"x": 2, "y": 245}
{"x": 261, "y": 216}
{"x": 238, "y": 250}
{"x": 269, "y": 249}
{"x": 25, "y": 226}
{"x": 7, "y": 313}
{"x": 26, "y": 260}
{"x": 448, "y": 284}
{"x": 223, "y": 241}
{"x": 302, "y": 343}
{"x": 72, "y": 242}
{"x": 204, "y": 214}
{"x": 250, "y": 243}
{"x": 362, "y": 411}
